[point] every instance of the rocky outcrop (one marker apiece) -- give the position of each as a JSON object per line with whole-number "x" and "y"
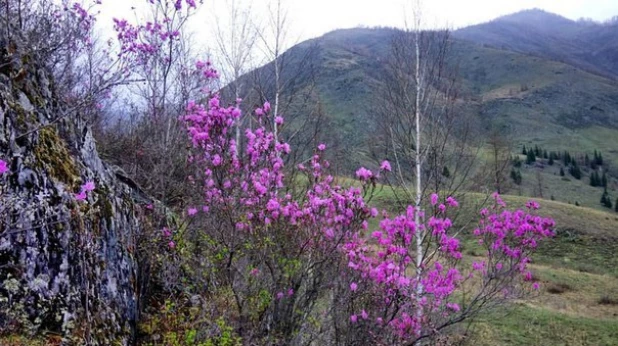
{"x": 67, "y": 267}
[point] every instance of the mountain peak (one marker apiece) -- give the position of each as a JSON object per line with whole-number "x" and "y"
{"x": 535, "y": 16}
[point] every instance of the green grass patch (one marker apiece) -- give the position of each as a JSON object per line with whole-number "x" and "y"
{"x": 528, "y": 325}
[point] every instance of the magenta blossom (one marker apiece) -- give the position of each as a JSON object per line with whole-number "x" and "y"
{"x": 80, "y": 196}
{"x": 87, "y": 187}
{"x": 364, "y": 174}
{"x": 166, "y": 232}
{"x": 3, "y": 167}
{"x": 385, "y": 166}
{"x": 434, "y": 198}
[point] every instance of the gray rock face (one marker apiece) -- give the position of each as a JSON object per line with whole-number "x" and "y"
{"x": 66, "y": 266}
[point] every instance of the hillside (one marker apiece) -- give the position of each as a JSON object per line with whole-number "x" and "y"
{"x": 541, "y": 101}
{"x": 545, "y": 101}
{"x": 587, "y": 45}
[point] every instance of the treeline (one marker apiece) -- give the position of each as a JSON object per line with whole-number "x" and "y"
{"x": 532, "y": 154}
{"x": 571, "y": 164}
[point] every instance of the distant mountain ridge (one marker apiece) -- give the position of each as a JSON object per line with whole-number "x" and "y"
{"x": 588, "y": 45}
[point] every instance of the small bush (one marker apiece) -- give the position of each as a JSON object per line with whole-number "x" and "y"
{"x": 558, "y": 288}
{"x": 607, "y": 300}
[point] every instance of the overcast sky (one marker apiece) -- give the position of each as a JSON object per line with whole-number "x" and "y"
{"x": 315, "y": 17}
{"x": 312, "y": 18}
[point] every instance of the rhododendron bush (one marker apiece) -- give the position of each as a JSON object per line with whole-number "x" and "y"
{"x": 296, "y": 270}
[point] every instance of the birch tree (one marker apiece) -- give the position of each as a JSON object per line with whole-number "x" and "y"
{"x": 273, "y": 38}
{"x": 288, "y": 81}
{"x": 423, "y": 133}
{"x": 236, "y": 36}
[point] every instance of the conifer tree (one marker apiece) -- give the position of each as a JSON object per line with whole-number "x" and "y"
{"x": 531, "y": 157}
{"x": 603, "y": 181}
{"x": 594, "y": 179}
{"x": 524, "y": 151}
{"x": 606, "y": 200}
{"x": 566, "y": 158}
{"x": 575, "y": 171}
{"x": 516, "y": 162}
{"x": 551, "y": 160}
{"x": 445, "y": 172}
{"x": 516, "y": 176}
{"x": 561, "y": 172}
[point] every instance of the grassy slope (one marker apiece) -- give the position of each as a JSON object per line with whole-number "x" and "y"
{"x": 578, "y": 269}
{"x": 540, "y": 102}
{"x": 565, "y": 189}
{"x": 590, "y": 46}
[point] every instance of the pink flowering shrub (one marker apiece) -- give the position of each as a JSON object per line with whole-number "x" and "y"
{"x": 279, "y": 255}
{"x": 151, "y": 46}
{"x": 406, "y": 306}
{"x": 273, "y": 252}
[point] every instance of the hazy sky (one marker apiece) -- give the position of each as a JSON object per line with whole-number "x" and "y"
{"x": 315, "y": 17}
{"x": 311, "y": 18}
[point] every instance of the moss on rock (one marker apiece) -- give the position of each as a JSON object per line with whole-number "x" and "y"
{"x": 53, "y": 155}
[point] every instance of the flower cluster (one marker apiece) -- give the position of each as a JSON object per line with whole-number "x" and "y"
{"x": 251, "y": 181}
{"x": 139, "y": 43}
{"x": 87, "y": 187}
{"x": 244, "y": 189}
{"x": 388, "y": 259}
{"x": 511, "y": 236}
